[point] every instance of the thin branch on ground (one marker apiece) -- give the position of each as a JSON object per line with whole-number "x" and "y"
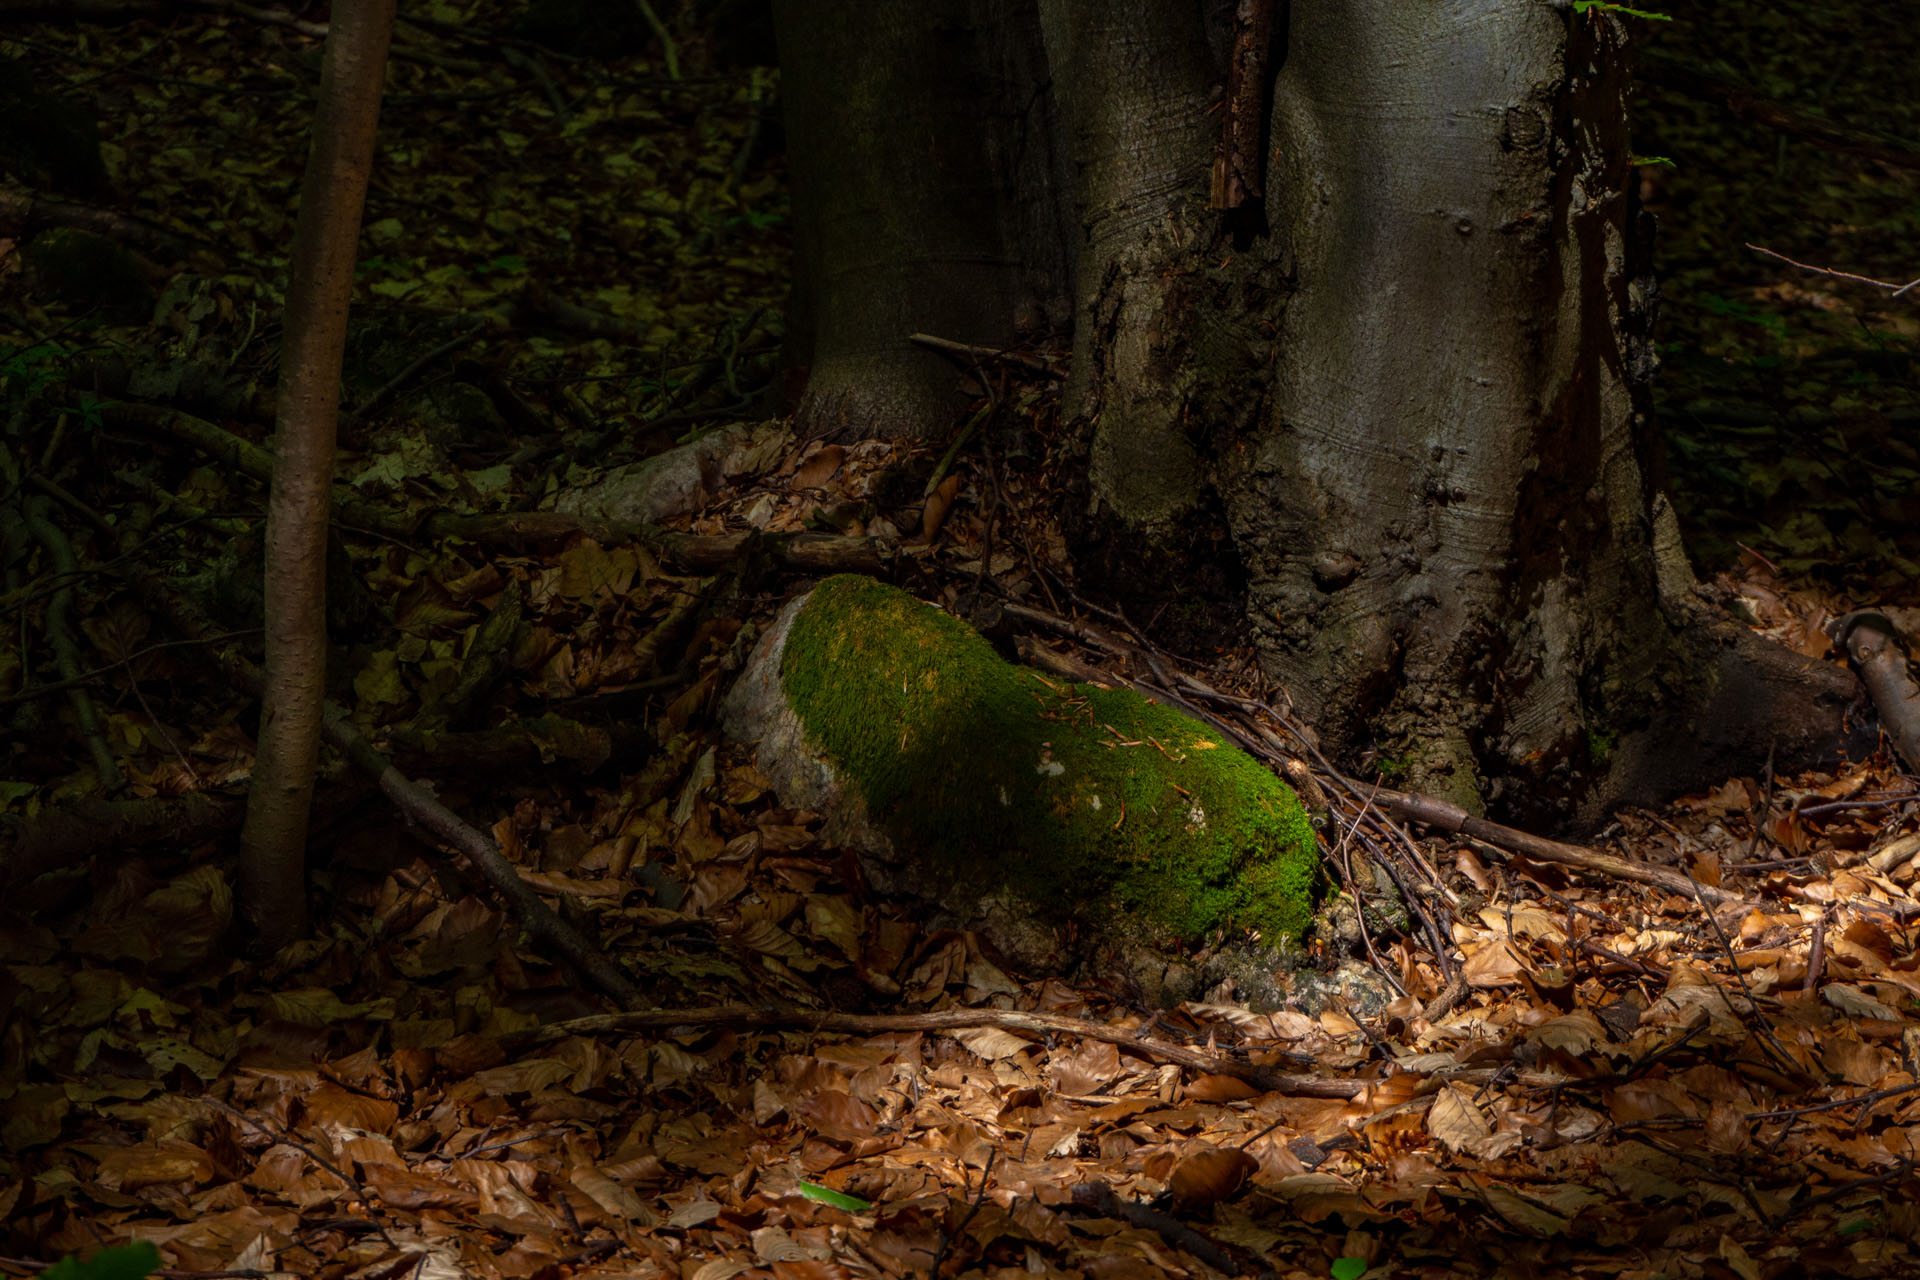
{"x": 1896, "y": 290}
{"x": 776, "y": 1019}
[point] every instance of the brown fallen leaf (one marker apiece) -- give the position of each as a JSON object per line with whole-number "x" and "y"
{"x": 1205, "y": 1177}
{"x": 939, "y": 504}
{"x": 819, "y": 467}
{"x": 1217, "y": 1088}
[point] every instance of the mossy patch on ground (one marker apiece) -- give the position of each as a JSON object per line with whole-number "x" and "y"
{"x": 1087, "y": 802}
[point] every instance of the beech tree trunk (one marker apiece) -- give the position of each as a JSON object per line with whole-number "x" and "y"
{"x": 928, "y": 198}
{"x": 273, "y": 839}
{"x": 1394, "y": 408}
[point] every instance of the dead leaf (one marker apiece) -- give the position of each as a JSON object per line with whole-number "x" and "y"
{"x": 1856, "y": 1003}
{"x": 1494, "y": 964}
{"x": 615, "y": 1199}
{"x": 154, "y": 1164}
{"x": 1706, "y": 866}
{"x": 1739, "y": 1260}
{"x": 1205, "y": 1177}
{"x": 1454, "y": 1120}
{"x": 1523, "y": 1213}
{"x": 939, "y": 504}
{"x": 819, "y": 467}
{"x": 1220, "y": 1089}
{"x": 992, "y": 1043}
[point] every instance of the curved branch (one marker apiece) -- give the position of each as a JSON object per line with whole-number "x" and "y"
{"x": 1874, "y": 646}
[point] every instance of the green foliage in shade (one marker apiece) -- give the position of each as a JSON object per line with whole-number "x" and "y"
{"x": 1080, "y": 799}
{"x": 1786, "y": 405}
{"x": 128, "y": 1262}
{"x": 838, "y": 1199}
{"x": 27, "y": 370}
{"x": 1348, "y": 1268}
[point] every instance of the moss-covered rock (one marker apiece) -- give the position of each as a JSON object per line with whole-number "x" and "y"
{"x": 1089, "y": 807}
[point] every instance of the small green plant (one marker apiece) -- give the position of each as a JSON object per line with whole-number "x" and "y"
{"x": 1600, "y": 746}
{"x": 28, "y": 369}
{"x": 128, "y": 1262}
{"x": 838, "y": 1199}
{"x": 505, "y": 264}
{"x": 1348, "y": 1268}
{"x": 1605, "y": 6}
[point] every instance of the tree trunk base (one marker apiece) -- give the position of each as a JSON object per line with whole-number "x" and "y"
{"x": 1742, "y": 701}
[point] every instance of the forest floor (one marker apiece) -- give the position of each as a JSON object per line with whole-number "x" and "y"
{"x": 1634, "y": 1081}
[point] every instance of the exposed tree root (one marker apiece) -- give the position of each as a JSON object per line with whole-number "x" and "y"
{"x": 1733, "y": 699}
{"x": 523, "y": 530}
{"x": 1872, "y": 643}
{"x": 60, "y": 837}
{"x": 522, "y": 744}
{"x": 22, "y": 213}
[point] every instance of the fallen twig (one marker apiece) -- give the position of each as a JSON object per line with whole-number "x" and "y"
{"x": 968, "y": 351}
{"x": 238, "y": 1116}
{"x": 519, "y": 744}
{"x": 1099, "y": 1198}
{"x": 948, "y": 1234}
{"x": 24, "y": 212}
{"x": 1896, "y": 290}
{"x": 476, "y": 326}
{"x": 775, "y": 1019}
{"x": 1746, "y": 105}
{"x": 1449, "y": 817}
{"x": 423, "y": 808}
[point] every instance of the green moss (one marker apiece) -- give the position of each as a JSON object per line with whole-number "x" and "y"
{"x": 1600, "y": 747}
{"x": 1085, "y": 801}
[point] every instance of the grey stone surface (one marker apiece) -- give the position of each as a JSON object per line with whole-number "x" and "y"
{"x": 677, "y": 481}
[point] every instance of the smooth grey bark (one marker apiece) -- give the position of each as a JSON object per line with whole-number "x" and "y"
{"x": 1134, "y": 90}
{"x": 1447, "y": 479}
{"x": 928, "y": 197}
{"x": 1414, "y": 399}
{"x": 1173, "y": 320}
{"x": 1451, "y": 543}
